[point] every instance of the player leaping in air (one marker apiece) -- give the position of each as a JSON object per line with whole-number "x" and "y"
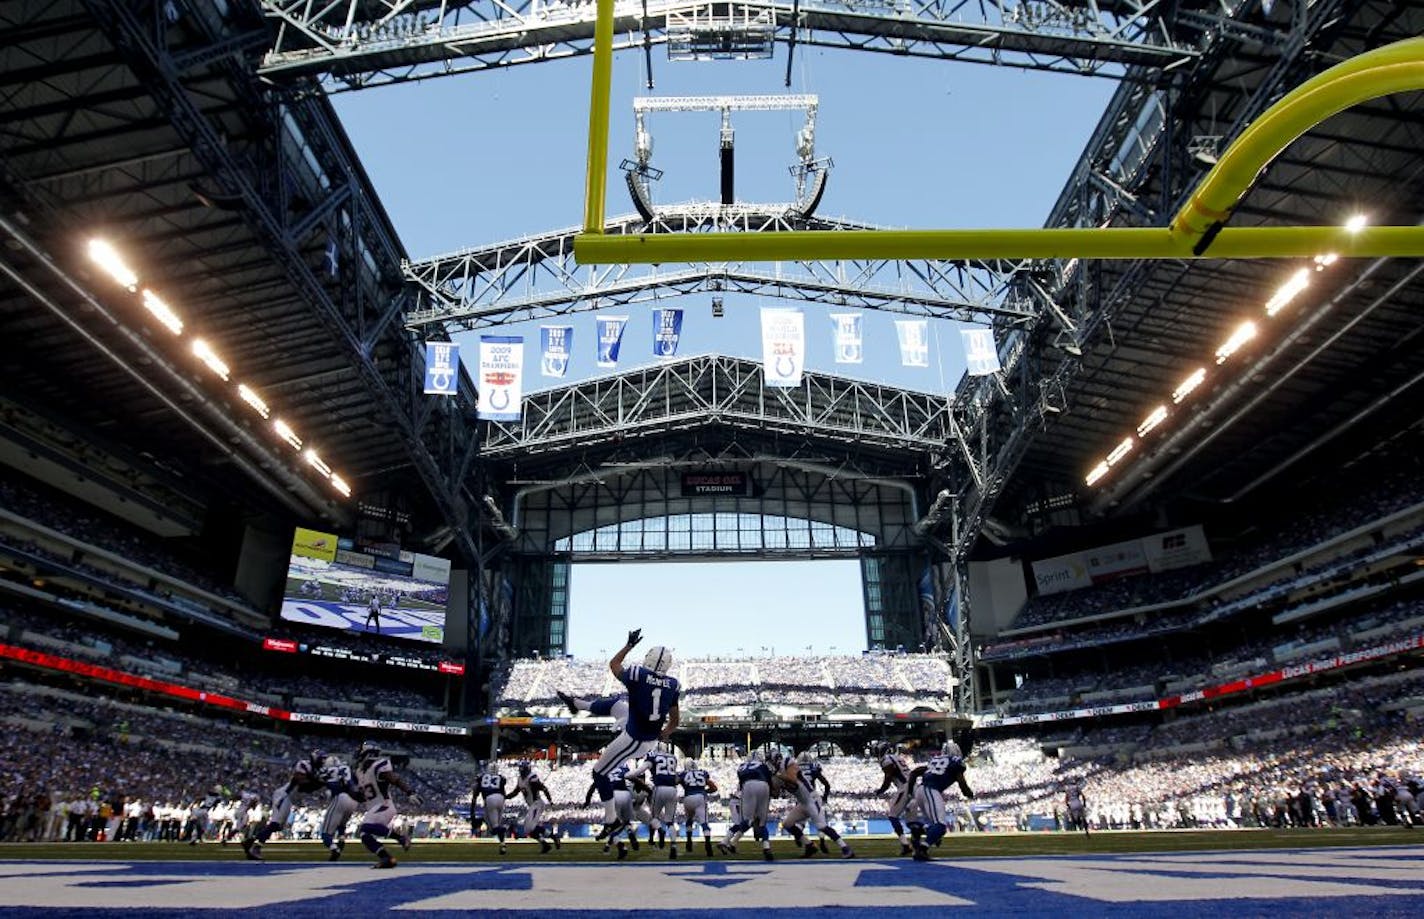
{"x": 651, "y": 715}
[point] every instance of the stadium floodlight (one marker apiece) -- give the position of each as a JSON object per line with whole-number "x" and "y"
{"x": 208, "y": 356}
{"x": 1100, "y": 470}
{"x": 1325, "y": 261}
{"x": 1153, "y": 419}
{"x": 286, "y": 433}
{"x": 1356, "y": 223}
{"x": 1244, "y": 333}
{"x": 108, "y": 258}
{"x": 1288, "y": 292}
{"x": 252, "y": 399}
{"x": 162, "y": 312}
{"x": 338, "y": 483}
{"x": 1185, "y": 388}
{"x": 1121, "y": 450}
{"x": 316, "y": 462}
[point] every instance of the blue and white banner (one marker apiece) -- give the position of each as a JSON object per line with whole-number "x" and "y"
{"x": 501, "y": 377}
{"x": 914, "y": 337}
{"x": 442, "y": 368}
{"x": 667, "y": 331}
{"x": 610, "y": 338}
{"x": 783, "y": 346}
{"x": 847, "y": 341}
{"x": 979, "y": 351}
{"x": 556, "y": 344}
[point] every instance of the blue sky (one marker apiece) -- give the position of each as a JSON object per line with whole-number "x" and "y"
{"x": 471, "y": 160}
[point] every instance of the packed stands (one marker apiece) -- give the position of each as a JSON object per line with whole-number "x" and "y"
{"x": 871, "y": 682}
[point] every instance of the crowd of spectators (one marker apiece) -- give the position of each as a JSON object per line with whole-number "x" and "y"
{"x": 877, "y": 682}
{"x": 1337, "y": 580}
{"x": 94, "y": 641}
{"x": 1167, "y": 672}
{"x": 1397, "y": 486}
{"x": 85, "y": 523}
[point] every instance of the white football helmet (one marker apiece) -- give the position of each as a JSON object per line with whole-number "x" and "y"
{"x": 658, "y": 660}
{"x": 491, "y": 768}
{"x": 689, "y": 764}
{"x": 806, "y": 757}
{"x": 952, "y": 749}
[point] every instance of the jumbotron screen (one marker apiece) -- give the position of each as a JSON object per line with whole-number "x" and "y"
{"x": 374, "y": 590}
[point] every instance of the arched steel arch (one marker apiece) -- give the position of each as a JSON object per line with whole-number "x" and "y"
{"x": 536, "y": 277}
{"x": 611, "y": 453}
{"x": 352, "y": 44}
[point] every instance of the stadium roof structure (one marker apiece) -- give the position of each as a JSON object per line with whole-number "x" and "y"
{"x": 199, "y": 140}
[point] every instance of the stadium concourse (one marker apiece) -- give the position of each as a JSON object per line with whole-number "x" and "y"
{"x": 286, "y": 577}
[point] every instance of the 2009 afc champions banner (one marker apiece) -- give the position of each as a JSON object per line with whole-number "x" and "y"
{"x": 610, "y": 338}
{"x": 501, "y": 377}
{"x": 667, "y": 331}
{"x": 847, "y": 340}
{"x": 442, "y": 368}
{"x": 556, "y": 344}
{"x": 783, "y": 346}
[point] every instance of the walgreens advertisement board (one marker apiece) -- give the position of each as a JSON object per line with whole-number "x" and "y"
{"x": 376, "y": 590}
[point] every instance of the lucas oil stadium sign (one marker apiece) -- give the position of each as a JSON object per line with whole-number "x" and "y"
{"x": 727, "y": 484}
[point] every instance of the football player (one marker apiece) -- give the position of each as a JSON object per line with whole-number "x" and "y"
{"x": 662, "y": 767}
{"x": 808, "y": 807}
{"x": 901, "y": 805}
{"x": 623, "y": 816}
{"x": 374, "y": 778}
{"x": 491, "y": 788}
{"x": 696, "y": 784}
{"x": 929, "y": 783}
{"x": 755, "y": 778}
{"x": 340, "y": 783}
{"x": 653, "y": 714}
{"x": 1076, "y": 806}
{"x": 531, "y": 787}
{"x": 304, "y": 780}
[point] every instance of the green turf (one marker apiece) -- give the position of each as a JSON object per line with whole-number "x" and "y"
{"x": 955, "y": 846}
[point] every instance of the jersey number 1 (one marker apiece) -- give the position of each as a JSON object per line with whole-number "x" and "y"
{"x": 657, "y": 705}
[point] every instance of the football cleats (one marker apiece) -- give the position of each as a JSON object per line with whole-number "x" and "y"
{"x": 658, "y": 660}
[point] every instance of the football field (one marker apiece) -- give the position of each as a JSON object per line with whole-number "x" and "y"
{"x": 1375, "y": 872}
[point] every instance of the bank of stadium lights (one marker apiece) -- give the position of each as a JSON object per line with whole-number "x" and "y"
{"x": 285, "y": 432}
{"x": 103, "y": 254}
{"x": 1283, "y": 296}
{"x": 1153, "y": 419}
{"x": 108, "y": 258}
{"x": 1184, "y": 388}
{"x": 208, "y": 356}
{"x": 162, "y": 312}
{"x": 1236, "y": 341}
{"x": 247, "y": 395}
{"x": 1357, "y": 223}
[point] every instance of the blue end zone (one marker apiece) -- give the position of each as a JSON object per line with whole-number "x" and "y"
{"x": 1342, "y": 882}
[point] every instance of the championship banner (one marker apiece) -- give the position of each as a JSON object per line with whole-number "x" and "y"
{"x": 667, "y": 331}
{"x": 846, "y": 338}
{"x": 501, "y": 377}
{"x": 556, "y": 343}
{"x": 980, "y": 354}
{"x": 914, "y": 335}
{"x": 442, "y": 368}
{"x": 610, "y": 337}
{"x": 783, "y": 346}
